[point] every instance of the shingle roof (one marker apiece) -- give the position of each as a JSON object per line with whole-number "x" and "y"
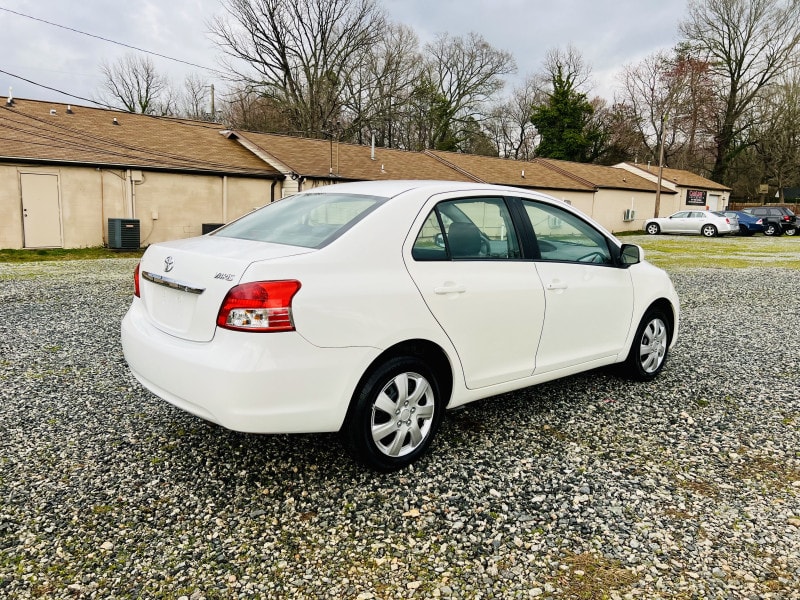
{"x": 682, "y": 178}
{"x": 605, "y": 177}
{"x": 36, "y": 131}
{"x": 340, "y": 161}
{"x": 505, "y": 171}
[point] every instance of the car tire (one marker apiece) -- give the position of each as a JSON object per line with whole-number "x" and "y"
{"x": 653, "y": 229}
{"x": 772, "y": 229}
{"x": 708, "y": 231}
{"x": 744, "y": 231}
{"x": 650, "y": 346}
{"x": 791, "y": 231}
{"x": 394, "y": 415}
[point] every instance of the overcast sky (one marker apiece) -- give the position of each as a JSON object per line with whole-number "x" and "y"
{"x": 608, "y": 33}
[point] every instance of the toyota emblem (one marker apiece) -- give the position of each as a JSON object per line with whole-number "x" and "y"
{"x": 168, "y": 264}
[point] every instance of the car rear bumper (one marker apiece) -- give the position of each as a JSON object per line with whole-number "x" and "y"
{"x": 242, "y": 383}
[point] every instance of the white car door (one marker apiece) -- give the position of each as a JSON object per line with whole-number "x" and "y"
{"x": 466, "y": 263}
{"x": 588, "y": 300}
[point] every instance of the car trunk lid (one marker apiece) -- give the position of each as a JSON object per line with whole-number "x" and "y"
{"x": 183, "y": 283}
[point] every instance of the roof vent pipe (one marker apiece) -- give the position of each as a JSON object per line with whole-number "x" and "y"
{"x": 52, "y": 111}
{"x": 115, "y": 122}
{"x": 69, "y": 109}
{"x": 372, "y": 154}
{"x": 10, "y": 99}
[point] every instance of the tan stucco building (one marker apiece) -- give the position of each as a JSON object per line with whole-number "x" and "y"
{"x": 66, "y": 170}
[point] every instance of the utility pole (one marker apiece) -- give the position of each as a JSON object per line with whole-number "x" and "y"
{"x": 213, "y": 111}
{"x": 660, "y": 165}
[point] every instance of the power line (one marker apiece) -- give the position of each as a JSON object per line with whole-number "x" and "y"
{"x": 99, "y": 37}
{"x": 52, "y": 89}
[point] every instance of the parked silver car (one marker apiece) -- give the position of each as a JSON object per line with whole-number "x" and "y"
{"x": 703, "y": 222}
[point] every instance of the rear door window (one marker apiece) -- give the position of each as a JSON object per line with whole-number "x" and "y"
{"x": 467, "y": 229}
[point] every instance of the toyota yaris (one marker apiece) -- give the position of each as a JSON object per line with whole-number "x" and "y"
{"x": 371, "y": 308}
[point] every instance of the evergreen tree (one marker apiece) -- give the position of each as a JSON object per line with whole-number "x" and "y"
{"x": 564, "y": 122}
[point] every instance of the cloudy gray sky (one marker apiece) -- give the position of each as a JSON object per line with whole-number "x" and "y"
{"x": 609, "y": 34}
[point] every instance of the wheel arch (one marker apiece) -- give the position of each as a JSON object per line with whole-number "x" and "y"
{"x": 665, "y": 306}
{"x": 429, "y": 352}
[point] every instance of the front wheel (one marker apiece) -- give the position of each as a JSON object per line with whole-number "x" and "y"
{"x": 772, "y": 229}
{"x": 648, "y": 352}
{"x": 394, "y": 415}
{"x": 653, "y": 228}
{"x": 709, "y": 230}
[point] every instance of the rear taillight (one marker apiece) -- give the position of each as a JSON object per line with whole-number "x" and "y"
{"x": 136, "y": 291}
{"x": 259, "y": 306}
{"x": 727, "y": 220}
{"x": 760, "y": 222}
{"x": 786, "y": 217}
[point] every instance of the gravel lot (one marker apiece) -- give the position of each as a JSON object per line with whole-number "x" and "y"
{"x": 591, "y": 487}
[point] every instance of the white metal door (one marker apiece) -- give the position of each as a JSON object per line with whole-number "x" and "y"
{"x": 41, "y": 210}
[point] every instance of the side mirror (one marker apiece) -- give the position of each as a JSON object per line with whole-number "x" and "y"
{"x": 438, "y": 240}
{"x": 631, "y": 254}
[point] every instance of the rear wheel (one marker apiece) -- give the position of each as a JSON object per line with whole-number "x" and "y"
{"x": 650, "y": 345}
{"x": 709, "y": 230}
{"x": 653, "y": 228}
{"x": 791, "y": 231}
{"x": 772, "y": 229}
{"x": 394, "y": 415}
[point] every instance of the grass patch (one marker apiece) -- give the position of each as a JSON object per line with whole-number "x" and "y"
{"x": 773, "y": 473}
{"x": 729, "y": 252}
{"x": 51, "y": 254}
{"x": 592, "y": 577}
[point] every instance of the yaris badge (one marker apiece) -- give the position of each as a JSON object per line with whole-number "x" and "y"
{"x": 168, "y": 264}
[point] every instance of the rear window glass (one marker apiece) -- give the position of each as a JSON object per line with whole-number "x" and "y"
{"x": 310, "y": 220}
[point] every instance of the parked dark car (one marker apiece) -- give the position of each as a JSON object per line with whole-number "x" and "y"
{"x": 777, "y": 219}
{"x": 748, "y": 224}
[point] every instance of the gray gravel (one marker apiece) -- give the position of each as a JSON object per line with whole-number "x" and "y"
{"x": 591, "y": 487}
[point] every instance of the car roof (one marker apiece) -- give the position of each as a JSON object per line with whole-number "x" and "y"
{"x": 391, "y": 188}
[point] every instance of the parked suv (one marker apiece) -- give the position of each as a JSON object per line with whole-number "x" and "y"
{"x": 777, "y": 219}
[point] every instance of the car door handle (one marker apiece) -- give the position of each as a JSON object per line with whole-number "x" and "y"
{"x": 557, "y": 284}
{"x": 449, "y": 289}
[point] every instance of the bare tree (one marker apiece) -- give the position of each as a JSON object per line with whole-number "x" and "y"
{"x": 298, "y": 53}
{"x": 509, "y": 124}
{"x": 378, "y": 88}
{"x": 246, "y": 109}
{"x": 132, "y": 84}
{"x": 778, "y": 141}
{"x": 670, "y": 99}
{"x": 749, "y": 44}
{"x": 196, "y": 100}
{"x": 568, "y": 63}
{"x": 462, "y": 74}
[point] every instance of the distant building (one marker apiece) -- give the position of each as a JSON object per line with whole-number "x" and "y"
{"x": 693, "y": 191}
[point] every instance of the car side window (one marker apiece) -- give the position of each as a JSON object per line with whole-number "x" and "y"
{"x": 562, "y": 236}
{"x": 469, "y": 228}
{"x": 680, "y": 215}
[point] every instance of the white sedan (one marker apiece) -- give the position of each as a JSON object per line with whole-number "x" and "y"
{"x": 704, "y": 222}
{"x": 371, "y": 308}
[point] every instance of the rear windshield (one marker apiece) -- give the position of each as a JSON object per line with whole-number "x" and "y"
{"x": 310, "y": 220}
